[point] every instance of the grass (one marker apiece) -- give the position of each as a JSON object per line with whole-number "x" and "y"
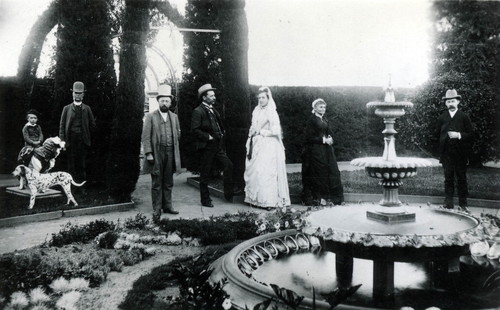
{"x": 484, "y": 183}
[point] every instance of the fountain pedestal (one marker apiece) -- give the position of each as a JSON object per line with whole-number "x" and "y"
{"x": 389, "y": 168}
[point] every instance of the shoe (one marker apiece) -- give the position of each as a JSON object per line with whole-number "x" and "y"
{"x": 170, "y": 211}
{"x": 464, "y": 209}
{"x": 207, "y": 204}
{"x": 448, "y": 206}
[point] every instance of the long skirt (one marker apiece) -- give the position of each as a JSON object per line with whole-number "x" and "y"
{"x": 266, "y": 183}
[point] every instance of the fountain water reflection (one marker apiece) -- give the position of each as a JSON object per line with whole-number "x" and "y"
{"x": 300, "y": 272}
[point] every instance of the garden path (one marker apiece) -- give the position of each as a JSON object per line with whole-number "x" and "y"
{"x": 185, "y": 200}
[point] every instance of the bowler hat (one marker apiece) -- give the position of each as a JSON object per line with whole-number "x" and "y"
{"x": 451, "y": 94}
{"x": 203, "y": 89}
{"x": 78, "y": 87}
{"x": 164, "y": 90}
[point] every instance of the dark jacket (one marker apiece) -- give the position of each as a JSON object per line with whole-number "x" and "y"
{"x": 460, "y": 123}
{"x": 202, "y": 127}
{"x": 88, "y": 122}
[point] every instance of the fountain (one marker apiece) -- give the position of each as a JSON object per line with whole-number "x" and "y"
{"x": 390, "y": 168}
{"x": 385, "y": 234}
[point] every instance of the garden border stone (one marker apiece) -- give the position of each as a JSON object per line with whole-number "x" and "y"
{"x": 355, "y": 197}
{"x": 16, "y": 220}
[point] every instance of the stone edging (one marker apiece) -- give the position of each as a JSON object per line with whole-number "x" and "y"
{"x": 16, "y": 220}
{"x": 354, "y": 197}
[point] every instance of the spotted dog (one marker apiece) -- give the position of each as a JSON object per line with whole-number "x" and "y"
{"x": 43, "y": 158}
{"x": 40, "y": 182}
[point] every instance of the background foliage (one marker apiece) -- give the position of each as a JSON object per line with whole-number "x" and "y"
{"x": 465, "y": 57}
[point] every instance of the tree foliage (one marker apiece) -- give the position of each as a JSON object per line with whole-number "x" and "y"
{"x": 232, "y": 22}
{"x": 123, "y": 160}
{"x": 202, "y": 57}
{"x": 465, "y": 57}
{"x": 84, "y": 54}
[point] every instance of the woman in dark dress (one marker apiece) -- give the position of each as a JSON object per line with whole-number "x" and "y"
{"x": 320, "y": 173}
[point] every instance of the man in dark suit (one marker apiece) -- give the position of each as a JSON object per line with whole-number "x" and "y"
{"x": 76, "y": 123}
{"x": 208, "y": 129}
{"x": 455, "y": 145}
{"x": 160, "y": 140}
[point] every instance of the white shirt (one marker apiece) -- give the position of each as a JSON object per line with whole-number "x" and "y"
{"x": 452, "y": 113}
{"x": 77, "y": 103}
{"x": 164, "y": 115}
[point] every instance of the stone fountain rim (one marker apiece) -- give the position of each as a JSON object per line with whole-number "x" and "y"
{"x": 385, "y": 104}
{"x": 459, "y": 238}
{"x": 234, "y": 275}
{"x": 398, "y": 162}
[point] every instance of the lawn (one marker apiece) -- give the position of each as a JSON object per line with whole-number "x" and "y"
{"x": 484, "y": 183}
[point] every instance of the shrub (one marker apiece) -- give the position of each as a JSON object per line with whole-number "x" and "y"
{"x": 190, "y": 273}
{"x": 214, "y": 230}
{"x": 36, "y": 267}
{"x": 108, "y": 239}
{"x": 140, "y": 221}
{"x": 80, "y": 233}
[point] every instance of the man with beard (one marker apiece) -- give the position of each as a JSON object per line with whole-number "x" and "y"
{"x": 160, "y": 140}
{"x": 455, "y": 145}
{"x": 76, "y": 123}
{"x": 208, "y": 129}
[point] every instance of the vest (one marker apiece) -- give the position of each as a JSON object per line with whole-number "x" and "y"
{"x": 166, "y": 137}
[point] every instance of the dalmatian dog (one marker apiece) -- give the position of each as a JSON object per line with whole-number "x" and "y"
{"x": 44, "y": 157}
{"x": 39, "y": 182}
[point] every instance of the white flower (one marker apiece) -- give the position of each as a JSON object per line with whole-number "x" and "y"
{"x": 283, "y": 209}
{"x": 277, "y": 225}
{"x": 68, "y": 300}
{"x": 19, "y": 300}
{"x": 191, "y": 291}
{"x": 40, "y": 307}
{"x": 227, "y": 304}
{"x": 59, "y": 285}
{"x": 286, "y": 224}
{"x": 78, "y": 284}
{"x": 262, "y": 227}
{"x": 38, "y": 296}
{"x": 150, "y": 251}
{"x": 293, "y": 210}
{"x": 133, "y": 238}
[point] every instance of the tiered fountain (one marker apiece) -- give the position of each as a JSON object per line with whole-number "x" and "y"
{"x": 385, "y": 233}
{"x": 390, "y": 168}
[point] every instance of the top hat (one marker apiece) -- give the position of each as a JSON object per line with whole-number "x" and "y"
{"x": 451, "y": 94}
{"x": 203, "y": 89}
{"x": 78, "y": 87}
{"x": 164, "y": 90}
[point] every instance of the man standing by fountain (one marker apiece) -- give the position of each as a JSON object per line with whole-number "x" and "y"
{"x": 455, "y": 145}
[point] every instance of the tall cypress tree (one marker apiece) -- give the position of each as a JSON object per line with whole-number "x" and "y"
{"x": 123, "y": 160}
{"x": 232, "y": 22}
{"x": 202, "y": 61}
{"x": 84, "y": 54}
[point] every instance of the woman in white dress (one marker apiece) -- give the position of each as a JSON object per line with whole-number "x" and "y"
{"x": 266, "y": 183}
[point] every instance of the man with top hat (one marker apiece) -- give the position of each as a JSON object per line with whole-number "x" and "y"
{"x": 455, "y": 145}
{"x": 76, "y": 123}
{"x": 160, "y": 141}
{"x": 208, "y": 129}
